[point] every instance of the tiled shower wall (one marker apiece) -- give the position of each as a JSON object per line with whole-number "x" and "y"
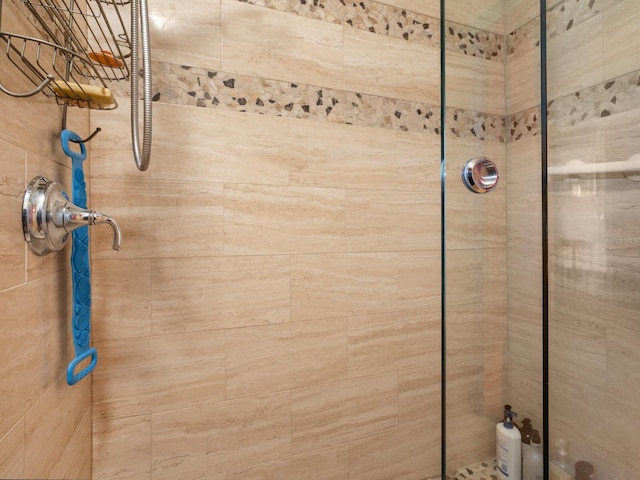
{"x": 45, "y": 425}
{"x": 275, "y": 309}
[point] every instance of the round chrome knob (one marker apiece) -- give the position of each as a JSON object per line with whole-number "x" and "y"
{"x": 480, "y": 175}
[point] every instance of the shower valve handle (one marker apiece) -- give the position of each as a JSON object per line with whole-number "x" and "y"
{"x": 48, "y": 217}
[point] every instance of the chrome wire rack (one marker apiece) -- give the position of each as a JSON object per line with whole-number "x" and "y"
{"x": 81, "y": 46}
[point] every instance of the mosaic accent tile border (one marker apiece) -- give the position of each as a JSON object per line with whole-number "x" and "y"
{"x": 523, "y": 124}
{"x": 568, "y": 14}
{"x": 480, "y": 471}
{"x": 204, "y": 88}
{"x": 469, "y": 124}
{"x": 385, "y": 19}
{"x": 614, "y": 96}
{"x": 475, "y": 42}
{"x": 560, "y": 18}
{"x": 183, "y": 85}
{"x": 524, "y": 39}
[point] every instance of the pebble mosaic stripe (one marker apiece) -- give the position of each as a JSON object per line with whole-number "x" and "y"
{"x": 480, "y": 471}
{"x": 560, "y": 18}
{"x": 202, "y": 88}
{"x": 396, "y": 22}
{"x": 182, "y": 85}
{"x": 608, "y": 98}
{"x": 523, "y": 124}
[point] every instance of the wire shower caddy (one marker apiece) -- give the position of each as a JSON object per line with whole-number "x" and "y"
{"x": 81, "y": 46}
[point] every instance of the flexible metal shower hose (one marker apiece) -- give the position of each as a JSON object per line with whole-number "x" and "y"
{"x": 139, "y": 10}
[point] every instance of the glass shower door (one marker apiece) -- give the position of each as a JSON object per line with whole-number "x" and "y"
{"x": 492, "y": 321}
{"x": 594, "y": 236}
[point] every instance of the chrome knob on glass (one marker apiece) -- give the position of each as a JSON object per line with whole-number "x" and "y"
{"x": 48, "y": 217}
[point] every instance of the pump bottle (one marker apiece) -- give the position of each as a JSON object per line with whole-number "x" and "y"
{"x": 508, "y": 447}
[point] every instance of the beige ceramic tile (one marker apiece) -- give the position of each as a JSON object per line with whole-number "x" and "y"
{"x": 419, "y": 280}
{"x": 522, "y": 81}
{"x": 111, "y": 153}
{"x": 392, "y": 221}
{"x": 575, "y": 59}
{"x": 187, "y": 34}
{"x": 411, "y": 453}
{"x": 579, "y": 349}
{"x": 518, "y": 13}
{"x": 329, "y": 464}
{"x": 474, "y": 83}
{"x": 392, "y": 341}
{"x": 208, "y": 293}
{"x": 34, "y": 326}
{"x": 196, "y": 144}
{"x": 621, "y": 435}
{"x": 158, "y": 219}
{"x": 214, "y": 438}
{"x": 525, "y": 276}
{"x": 476, "y": 221}
{"x": 469, "y": 438}
{"x": 462, "y": 271}
{"x": 475, "y": 328}
{"x": 326, "y": 286}
{"x": 332, "y": 414}
{"x": 463, "y": 12}
{"x": 346, "y": 156}
{"x": 594, "y": 272}
{"x": 272, "y": 220}
{"x": 524, "y": 387}
{"x": 524, "y": 168}
{"x": 79, "y": 458}
{"x": 465, "y": 267}
{"x": 12, "y": 164}
{"x": 12, "y": 453}
{"x": 54, "y": 443}
{"x": 391, "y": 67}
{"x": 465, "y": 384}
{"x": 210, "y": 145}
{"x": 622, "y": 362}
{"x": 524, "y": 212}
{"x": 621, "y": 43}
{"x": 589, "y": 417}
{"x": 525, "y": 335}
{"x": 495, "y": 379}
{"x": 418, "y": 158}
{"x": 309, "y": 51}
{"x": 121, "y": 298}
{"x": 272, "y": 358}
{"x": 600, "y": 139}
{"x": 152, "y": 374}
{"x": 122, "y": 449}
{"x": 419, "y": 394}
{"x": 493, "y": 16}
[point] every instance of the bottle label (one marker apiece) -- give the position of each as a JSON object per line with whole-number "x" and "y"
{"x": 502, "y": 455}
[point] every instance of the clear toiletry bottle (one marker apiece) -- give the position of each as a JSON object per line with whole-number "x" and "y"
{"x": 532, "y": 462}
{"x": 508, "y": 447}
{"x": 561, "y": 466}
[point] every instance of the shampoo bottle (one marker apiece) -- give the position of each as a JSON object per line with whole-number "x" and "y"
{"x": 508, "y": 447}
{"x": 532, "y": 463}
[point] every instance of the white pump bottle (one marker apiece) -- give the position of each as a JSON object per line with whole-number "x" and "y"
{"x": 508, "y": 447}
